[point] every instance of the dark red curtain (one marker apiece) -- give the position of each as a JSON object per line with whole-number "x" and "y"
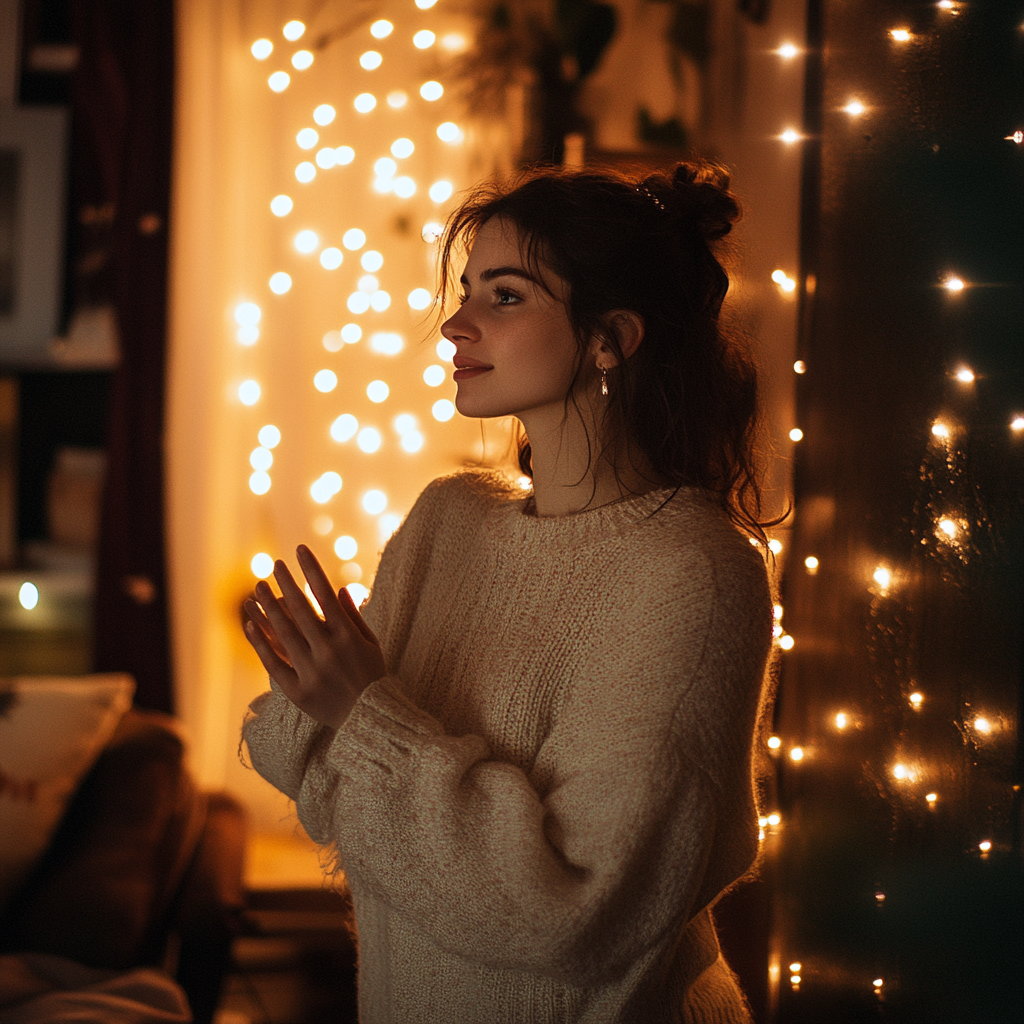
{"x": 121, "y": 166}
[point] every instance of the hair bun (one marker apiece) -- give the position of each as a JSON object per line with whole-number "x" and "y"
{"x": 700, "y": 194}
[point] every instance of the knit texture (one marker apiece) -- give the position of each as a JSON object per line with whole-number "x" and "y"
{"x": 538, "y": 804}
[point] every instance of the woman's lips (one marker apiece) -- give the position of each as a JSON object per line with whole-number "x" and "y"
{"x": 465, "y": 372}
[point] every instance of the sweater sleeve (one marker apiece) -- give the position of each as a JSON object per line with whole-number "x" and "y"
{"x": 575, "y": 869}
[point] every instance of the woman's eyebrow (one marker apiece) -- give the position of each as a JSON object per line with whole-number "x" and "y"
{"x": 489, "y": 275}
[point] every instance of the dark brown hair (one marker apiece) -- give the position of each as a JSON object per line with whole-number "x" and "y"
{"x": 687, "y": 398}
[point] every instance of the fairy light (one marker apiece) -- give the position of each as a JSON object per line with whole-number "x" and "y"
{"x": 789, "y": 136}
{"x": 261, "y": 458}
{"x": 344, "y": 427}
{"x": 965, "y": 375}
{"x": 796, "y": 434}
{"x": 293, "y": 31}
{"x": 365, "y": 102}
{"x": 331, "y": 258}
{"x": 449, "y": 132}
{"x": 346, "y": 548}
{"x": 982, "y": 725}
{"x": 784, "y": 281}
{"x": 281, "y": 206}
{"x": 307, "y": 138}
{"x": 797, "y": 754}
{"x": 1017, "y": 424}
{"x": 325, "y": 381}
{"x": 371, "y": 60}
{"x": 306, "y": 241}
{"x": 842, "y": 720}
{"x": 854, "y": 108}
{"x": 351, "y": 334}
{"x": 775, "y": 546}
{"x": 269, "y": 436}
{"x": 431, "y": 91}
{"x": 374, "y": 502}
{"x": 324, "y": 114}
{"x": 786, "y": 642}
{"x": 326, "y": 158}
{"x": 353, "y": 239}
{"x": 368, "y": 440}
{"x": 279, "y": 81}
{"x": 931, "y": 798}
{"x": 387, "y": 343}
{"x": 28, "y": 595}
{"x": 442, "y": 410}
{"x": 939, "y": 429}
{"x": 440, "y": 191}
{"x": 953, "y": 285}
{"x": 424, "y": 39}
{"x": 403, "y": 148}
{"x": 985, "y": 845}
{"x": 259, "y": 481}
{"x": 425, "y": 5}
{"x": 397, "y": 99}
{"x": 249, "y": 392}
{"x": 787, "y": 51}
{"x": 344, "y": 155}
{"x": 811, "y": 564}
{"x": 302, "y": 60}
{"x": 305, "y": 172}
{"x": 434, "y": 376}
{"x": 774, "y": 819}
{"x": 916, "y": 700}
{"x": 774, "y": 742}
{"x": 280, "y": 282}
{"x": 262, "y": 49}
{"x": 799, "y": 366}
{"x": 262, "y": 565}
{"x": 377, "y": 391}
{"x": 381, "y": 29}
{"x": 900, "y": 35}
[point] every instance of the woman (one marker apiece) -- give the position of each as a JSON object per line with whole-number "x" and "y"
{"x": 531, "y": 754}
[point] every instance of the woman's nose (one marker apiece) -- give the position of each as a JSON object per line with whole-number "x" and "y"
{"x": 460, "y": 327}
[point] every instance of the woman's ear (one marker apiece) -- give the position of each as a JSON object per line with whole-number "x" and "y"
{"x": 628, "y": 328}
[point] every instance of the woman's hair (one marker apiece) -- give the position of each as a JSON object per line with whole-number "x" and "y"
{"x": 687, "y": 398}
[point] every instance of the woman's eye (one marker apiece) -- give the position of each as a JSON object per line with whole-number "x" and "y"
{"x": 463, "y": 299}
{"x": 505, "y": 297}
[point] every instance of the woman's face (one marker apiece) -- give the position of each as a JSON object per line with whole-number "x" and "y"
{"x": 515, "y": 348}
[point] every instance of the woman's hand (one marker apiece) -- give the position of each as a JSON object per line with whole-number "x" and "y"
{"x": 322, "y": 665}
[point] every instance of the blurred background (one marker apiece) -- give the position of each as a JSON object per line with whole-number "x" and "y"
{"x": 218, "y": 227}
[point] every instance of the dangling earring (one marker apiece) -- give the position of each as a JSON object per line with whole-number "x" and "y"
{"x": 604, "y": 381}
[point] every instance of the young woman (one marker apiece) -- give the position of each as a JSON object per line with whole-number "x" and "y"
{"x": 531, "y": 754}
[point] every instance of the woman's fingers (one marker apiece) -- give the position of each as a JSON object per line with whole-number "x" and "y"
{"x": 278, "y": 669}
{"x": 348, "y": 606}
{"x": 319, "y": 584}
{"x": 255, "y": 613}
{"x": 301, "y": 610}
{"x": 285, "y": 628}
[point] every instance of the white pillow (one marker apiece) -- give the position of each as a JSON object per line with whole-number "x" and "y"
{"x": 52, "y": 729}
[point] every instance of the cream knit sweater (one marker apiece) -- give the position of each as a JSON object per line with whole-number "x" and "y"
{"x": 536, "y": 808}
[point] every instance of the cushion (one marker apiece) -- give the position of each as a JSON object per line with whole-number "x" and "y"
{"x": 52, "y": 728}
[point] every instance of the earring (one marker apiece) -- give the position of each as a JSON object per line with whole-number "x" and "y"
{"x": 604, "y": 381}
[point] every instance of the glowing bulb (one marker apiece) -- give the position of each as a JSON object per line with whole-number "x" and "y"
{"x": 796, "y": 434}
{"x": 953, "y": 284}
{"x": 445, "y": 350}
{"x": 261, "y": 458}
{"x": 371, "y": 60}
{"x": 381, "y": 29}
{"x": 28, "y": 596}
{"x": 301, "y": 60}
{"x": 431, "y": 91}
{"x": 901, "y": 772}
{"x": 365, "y": 102}
{"x": 945, "y": 5}
{"x": 777, "y": 612}
{"x": 380, "y": 300}
{"x": 775, "y": 546}
{"x": 331, "y": 259}
{"x": 786, "y": 642}
{"x": 441, "y": 190}
{"x": 326, "y": 158}
{"x": 774, "y": 742}
{"x": 787, "y": 51}
{"x": 305, "y": 172}
{"x": 353, "y": 239}
{"x": 344, "y": 155}
{"x": 965, "y": 375}
{"x": 324, "y": 114}
{"x": 377, "y": 391}
{"x": 404, "y": 423}
{"x": 790, "y": 135}
{"x": 854, "y": 108}
{"x": 442, "y": 410}
{"x": 811, "y": 564}
{"x": 325, "y": 488}
{"x": 985, "y": 845}
{"x": 424, "y": 39}
{"x": 247, "y": 313}
{"x": 262, "y": 565}
{"x": 397, "y": 99}
{"x": 346, "y": 548}
{"x": 931, "y": 797}
{"x": 306, "y": 241}
{"x": 293, "y": 30}
{"x": 948, "y": 527}
{"x": 307, "y": 138}
{"x": 279, "y": 80}
{"x": 281, "y": 206}
{"x": 796, "y": 754}
{"x": 434, "y": 376}
{"x": 358, "y": 302}
{"x": 799, "y": 366}
{"x": 431, "y": 231}
{"x": 344, "y": 427}
{"x": 259, "y": 482}
{"x": 842, "y": 721}
{"x": 882, "y": 577}
{"x": 358, "y": 593}
{"x": 368, "y": 440}
{"x": 795, "y": 979}
{"x": 774, "y": 819}
{"x": 449, "y": 132}
{"x": 420, "y": 298}
{"x": 351, "y": 333}
{"x": 795, "y": 968}
{"x": 387, "y": 343}
{"x": 939, "y": 429}
{"x": 405, "y": 187}
{"x": 402, "y": 148}
{"x": 412, "y": 441}
{"x": 248, "y": 392}
{"x": 262, "y": 49}
{"x": 269, "y": 436}
{"x": 878, "y": 983}
{"x": 983, "y": 725}
{"x": 916, "y": 700}
{"x": 371, "y": 261}
{"x": 325, "y": 381}
{"x": 901, "y": 35}
{"x": 1017, "y": 424}
{"x": 425, "y": 5}
{"x": 375, "y": 502}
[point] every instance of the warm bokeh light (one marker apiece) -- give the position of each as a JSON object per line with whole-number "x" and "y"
{"x": 948, "y": 528}
{"x": 326, "y": 158}
{"x": 983, "y": 725}
{"x": 293, "y": 30}
{"x": 324, "y": 114}
{"x": 420, "y": 298}
{"x": 371, "y": 261}
{"x": 365, "y": 102}
{"x": 774, "y": 819}
{"x": 965, "y": 375}
{"x": 346, "y": 548}
{"x": 306, "y": 241}
{"x": 939, "y": 429}
{"x": 775, "y": 546}
{"x": 344, "y": 427}
{"x": 790, "y": 135}
{"x": 377, "y": 391}
{"x": 261, "y": 458}
{"x": 774, "y": 742}
{"x": 280, "y": 282}
{"x": 305, "y": 172}
{"x": 916, "y": 699}
{"x": 796, "y": 754}
{"x": 901, "y": 35}
{"x": 397, "y": 99}
{"x": 854, "y": 108}
{"x": 796, "y": 434}
{"x": 431, "y": 91}
{"x": 842, "y": 720}
{"x": 985, "y": 845}
{"x": 424, "y": 39}
{"x": 786, "y": 642}
{"x": 403, "y": 148}
{"x": 281, "y": 206}
{"x": 931, "y": 798}
{"x": 374, "y": 502}
{"x": 883, "y": 577}
{"x": 351, "y": 334}
{"x": 441, "y": 191}
{"x": 381, "y": 29}
{"x": 449, "y": 132}
{"x": 302, "y": 59}
{"x": 353, "y": 239}
{"x": 28, "y": 595}
{"x": 434, "y": 375}
{"x": 279, "y": 80}
{"x": 811, "y": 564}
{"x": 787, "y": 51}
{"x": 331, "y": 258}
{"x": 249, "y": 392}
{"x": 344, "y": 155}
{"x": 442, "y": 410}
{"x": 259, "y": 482}
{"x": 262, "y": 565}
{"x": 325, "y": 487}
{"x": 1017, "y": 424}
{"x": 307, "y": 138}
{"x": 953, "y": 284}
{"x": 369, "y": 440}
{"x": 325, "y": 381}
{"x": 371, "y": 60}
{"x": 445, "y": 350}
{"x": 799, "y": 366}
{"x": 269, "y": 436}
{"x": 262, "y": 49}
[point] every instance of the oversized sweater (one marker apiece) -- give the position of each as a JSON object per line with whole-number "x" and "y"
{"x": 537, "y": 806}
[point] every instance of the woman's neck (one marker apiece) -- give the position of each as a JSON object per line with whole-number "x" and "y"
{"x": 571, "y": 475}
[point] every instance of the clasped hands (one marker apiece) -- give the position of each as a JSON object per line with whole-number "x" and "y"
{"x": 321, "y": 664}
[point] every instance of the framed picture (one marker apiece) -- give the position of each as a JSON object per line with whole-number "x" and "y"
{"x": 33, "y": 144}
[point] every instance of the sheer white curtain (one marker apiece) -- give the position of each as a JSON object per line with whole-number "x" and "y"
{"x": 236, "y": 148}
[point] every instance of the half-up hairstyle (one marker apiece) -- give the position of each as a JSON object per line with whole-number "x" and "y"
{"x": 687, "y": 398}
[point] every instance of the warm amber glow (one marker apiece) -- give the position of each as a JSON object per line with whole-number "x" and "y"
{"x": 784, "y": 281}
{"x": 786, "y": 642}
{"x": 306, "y": 241}
{"x": 302, "y": 59}
{"x": 375, "y": 502}
{"x": 953, "y": 284}
{"x": 424, "y": 39}
{"x": 811, "y": 564}
{"x": 916, "y": 699}
{"x": 775, "y": 546}
{"x": 931, "y": 797}
{"x": 344, "y": 427}
{"x": 939, "y": 429}
{"x": 307, "y": 138}
{"x": 261, "y": 458}
{"x": 790, "y": 135}
{"x": 279, "y": 80}
{"x": 280, "y": 282}
{"x": 324, "y": 114}
{"x": 331, "y": 258}
{"x": 774, "y": 742}
{"x": 901, "y": 35}
{"x": 431, "y": 91}
{"x": 305, "y": 172}
{"x": 442, "y": 410}
{"x": 795, "y": 979}
{"x": 799, "y": 366}
{"x": 371, "y": 60}
{"x": 1017, "y": 424}
{"x": 854, "y": 108}
{"x": 777, "y": 611}
{"x": 369, "y": 440}
{"x": 449, "y": 132}
{"x": 420, "y": 298}
{"x": 982, "y": 725}
{"x": 434, "y": 376}
{"x": 903, "y": 773}
{"x": 403, "y": 148}
{"x": 796, "y": 434}
{"x": 365, "y": 102}
{"x": 878, "y": 983}
{"x": 441, "y": 190}
{"x": 397, "y": 99}
{"x": 293, "y": 30}
{"x": 262, "y": 565}
{"x": 842, "y": 721}
{"x": 248, "y": 392}
{"x": 381, "y": 29}
{"x": 985, "y": 845}
{"x": 774, "y": 819}
{"x": 281, "y": 206}
{"x": 948, "y": 528}
{"x": 262, "y": 49}
{"x": 259, "y": 482}
{"x": 377, "y": 391}
{"x": 28, "y": 595}
{"x": 882, "y": 577}
{"x": 796, "y": 754}
{"x": 965, "y": 375}
{"x": 344, "y": 155}
{"x": 325, "y": 381}
{"x": 353, "y": 239}
{"x": 787, "y": 51}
